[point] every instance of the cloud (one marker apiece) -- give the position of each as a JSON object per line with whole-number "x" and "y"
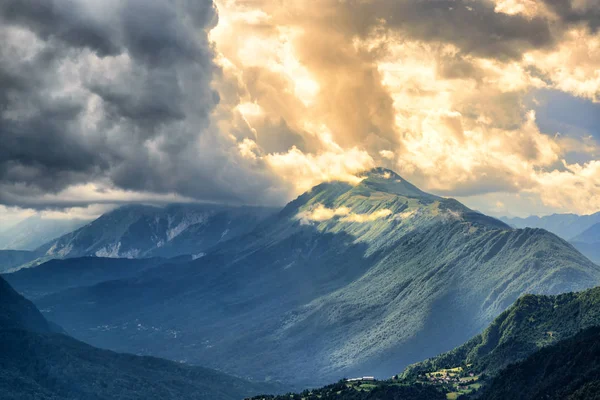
{"x": 389, "y": 155}
{"x": 254, "y": 101}
{"x": 321, "y": 213}
{"x": 577, "y": 12}
{"x": 360, "y": 218}
{"x": 120, "y": 94}
{"x": 448, "y": 97}
{"x": 96, "y": 90}
{"x": 582, "y": 181}
{"x": 308, "y": 170}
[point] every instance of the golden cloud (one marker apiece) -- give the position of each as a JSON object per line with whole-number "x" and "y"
{"x": 321, "y": 213}
{"x": 322, "y": 101}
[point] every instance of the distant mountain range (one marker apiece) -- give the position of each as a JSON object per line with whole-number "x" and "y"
{"x": 567, "y": 226}
{"x": 582, "y": 231}
{"x": 138, "y": 231}
{"x": 345, "y": 280}
{"x": 38, "y": 362}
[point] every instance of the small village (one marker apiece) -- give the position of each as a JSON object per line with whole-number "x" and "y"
{"x": 364, "y": 378}
{"x": 458, "y": 380}
{"x": 453, "y": 381}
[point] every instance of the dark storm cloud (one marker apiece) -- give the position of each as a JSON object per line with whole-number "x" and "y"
{"x": 111, "y": 91}
{"x": 473, "y": 26}
{"x": 38, "y": 146}
{"x": 150, "y": 30}
{"x": 62, "y": 19}
{"x": 577, "y": 11}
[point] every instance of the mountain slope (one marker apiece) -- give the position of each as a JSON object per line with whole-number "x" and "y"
{"x": 58, "y": 275}
{"x": 582, "y": 231}
{"x": 34, "y": 231}
{"x": 368, "y": 390}
{"x": 36, "y": 363}
{"x": 16, "y": 312}
{"x": 588, "y": 242}
{"x": 345, "y": 280}
{"x": 530, "y": 324}
{"x": 591, "y": 235}
{"x": 10, "y": 259}
{"x": 543, "y": 347}
{"x": 138, "y": 231}
{"x": 567, "y": 370}
{"x": 53, "y": 366}
{"x": 590, "y": 250}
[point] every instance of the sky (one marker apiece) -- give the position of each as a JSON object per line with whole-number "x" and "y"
{"x": 493, "y": 102}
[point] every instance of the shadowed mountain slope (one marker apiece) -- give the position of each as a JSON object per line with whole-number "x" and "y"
{"x": 16, "y": 312}
{"x": 567, "y": 370}
{"x": 58, "y": 275}
{"x": 11, "y": 259}
{"x": 36, "y": 363}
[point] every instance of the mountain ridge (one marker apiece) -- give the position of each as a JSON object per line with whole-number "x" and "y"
{"x": 139, "y": 231}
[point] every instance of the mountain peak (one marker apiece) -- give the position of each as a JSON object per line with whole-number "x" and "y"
{"x": 382, "y": 172}
{"x": 387, "y": 181}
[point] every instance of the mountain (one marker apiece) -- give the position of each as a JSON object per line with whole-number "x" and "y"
{"x": 582, "y": 231}
{"x": 590, "y": 250}
{"x": 566, "y": 226}
{"x": 10, "y": 259}
{"x": 36, "y": 362}
{"x": 591, "y": 235}
{"x": 345, "y": 280}
{"x": 34, "y": 231}
{"x": 531, "y": 323}
{"x": 588, "y": 242}
{"x": 367, "y": 390}
{"x": 16, "y": 312}
{"x": 138, "y": 231}
{"x": 58, "y": 275}
{"x": 568, "y": 370}
{"x": 543, "y": 347}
